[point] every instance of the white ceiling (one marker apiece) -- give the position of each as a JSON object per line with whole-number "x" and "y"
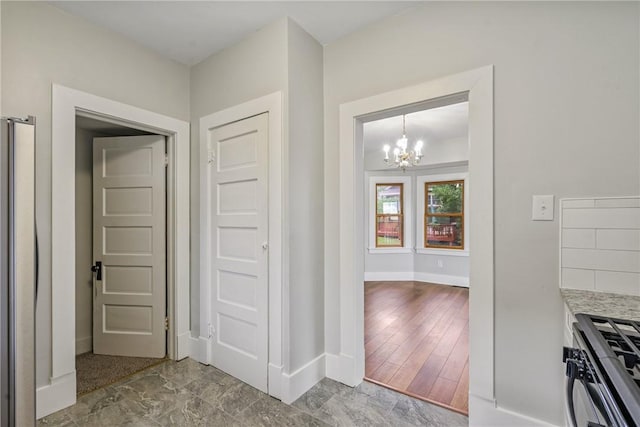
{"x": 190, "y": 31}
{"x": 433, "y": 125}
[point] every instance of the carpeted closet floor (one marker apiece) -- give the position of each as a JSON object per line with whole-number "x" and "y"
{"x": 94, "y": 371}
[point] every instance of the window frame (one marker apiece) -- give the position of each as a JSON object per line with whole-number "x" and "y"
{"x": 426, "y": 215}
{"x": 383, "y": 215}
{"x": 420, "y": 233}
{"x": 408, "y": 208}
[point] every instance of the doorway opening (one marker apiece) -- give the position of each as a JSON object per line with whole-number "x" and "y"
{"x": 416, "y": 262}
{"x": 58, "y": 361}
{"x": 111, "y": 346}
{"x": 346, "y": 361}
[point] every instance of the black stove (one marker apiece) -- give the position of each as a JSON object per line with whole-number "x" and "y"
{"x": 606, "y": 364}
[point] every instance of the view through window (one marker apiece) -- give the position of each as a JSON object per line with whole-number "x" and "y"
{"x": 389, "y": 215}
{"x": 444, "y": 215}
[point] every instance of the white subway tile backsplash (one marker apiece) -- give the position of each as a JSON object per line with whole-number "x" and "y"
{"x": 599, "y": 259}
{"x": 578, "y": 203}
{"x": 578, "y": 279}
{"x": 618, "y": 282}
{"x": 600, "y": 244}
{"x": 579, "y": 238}
{"x": 628, "y": 240}
{"x": 618, "y": 203}
{"x": 601, "y": 218}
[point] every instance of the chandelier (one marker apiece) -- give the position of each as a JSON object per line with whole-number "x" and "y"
{"x": 401, "y": 157}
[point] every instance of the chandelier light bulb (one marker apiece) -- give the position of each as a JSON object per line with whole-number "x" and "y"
{"x": 418, "y": 149}
{"x": 402, "y": 142}
{"x": 386, "y": 152}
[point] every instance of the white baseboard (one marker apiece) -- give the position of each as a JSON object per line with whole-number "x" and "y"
{"x": 184, "y": 346}
{"x": 275, "y": 381}
{"x": 341, "y": 368}
{"x": 388, "y": 275}
{"x": 199, "y": 347}
{"x": 441, "y": 279}
{"x": 485, "y": 413}
{"x": 84, "y": 345}
{"x": 299, "y": 382}
{"x": 60, "y": 394}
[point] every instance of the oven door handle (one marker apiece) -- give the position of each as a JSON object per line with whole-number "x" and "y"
{"x": 572, "y": 374}
{"x": 597, "y": 402}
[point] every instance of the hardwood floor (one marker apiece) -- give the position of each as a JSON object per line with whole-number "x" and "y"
{"x": 417, "y": 340}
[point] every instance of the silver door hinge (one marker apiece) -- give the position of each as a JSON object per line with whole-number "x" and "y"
{"x": 166, "y": 323}
{"x": 212, "y": 330}
{"x": 211, "y": 157}
{"x": 166, "y": 160}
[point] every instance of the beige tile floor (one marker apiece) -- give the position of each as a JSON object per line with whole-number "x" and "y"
{"x": 187, "y": 393}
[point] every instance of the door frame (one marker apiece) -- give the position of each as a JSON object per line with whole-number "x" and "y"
{"x": 66, "y": 104}
{"x": 347, "y": 365}
{"x": 271, "y": 104}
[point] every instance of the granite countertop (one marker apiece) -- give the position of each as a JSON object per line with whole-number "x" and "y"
{"x": 602, "y": 304}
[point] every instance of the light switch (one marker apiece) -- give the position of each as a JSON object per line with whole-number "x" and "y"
{"x": 542, "y": 208}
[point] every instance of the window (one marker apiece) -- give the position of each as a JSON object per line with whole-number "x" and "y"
{"x": 444, "y": 215}
{"x": 389, "y": 215}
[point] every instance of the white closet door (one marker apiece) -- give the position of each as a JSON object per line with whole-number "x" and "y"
{"x": 129, "y": 223}
{"x": 239, "y": 249}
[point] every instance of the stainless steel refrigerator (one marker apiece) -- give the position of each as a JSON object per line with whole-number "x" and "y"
{"x": 18, "y": 272}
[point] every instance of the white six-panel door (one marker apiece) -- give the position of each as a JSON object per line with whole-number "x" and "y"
{"x": 129, "y": 220}
{"x": 239, "y": 249}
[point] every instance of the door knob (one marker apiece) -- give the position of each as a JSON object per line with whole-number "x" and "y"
{"x": 265, "y": 245}
{"x": 97, "y": 269}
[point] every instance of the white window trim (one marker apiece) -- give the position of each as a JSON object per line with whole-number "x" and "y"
{"x": 420, "y": 181}
{"x": 407, "y": 212}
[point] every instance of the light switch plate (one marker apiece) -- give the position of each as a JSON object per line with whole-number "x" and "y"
{"x": 542, "y": 208}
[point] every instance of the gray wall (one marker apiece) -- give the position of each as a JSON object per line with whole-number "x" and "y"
{"x": 306, "y": 204}
{"x": 566, "y": 123}
{"x": 280, "y": 57}
{"x": 42, "y": 45}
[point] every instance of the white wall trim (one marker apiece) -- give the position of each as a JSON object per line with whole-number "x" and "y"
{"x": 66, "y": 103}
{"x": 297, "y": 383}
{"x": 59, "y": 394}
{"x": 278, "y": 268}
{"x": 442, "y": 252}
{"x": 440, "y": 279}
{"x": 487, "y": 414}
{"x": 381, "y": 276}
{"x": 380, "y": 251}
{"x": 185, "y": 345}
{"x": 275, "y": 381}
{"x": 198, "y": 349}
{"x": 479, "y": 85}
{"x": 340, "y": 367}
{"x": 84, "y": 345}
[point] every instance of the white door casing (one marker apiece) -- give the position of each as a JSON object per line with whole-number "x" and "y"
{"x": 129, "y": 239}
{"x": 345, "y": 362}
{"x": 238, "y": 182}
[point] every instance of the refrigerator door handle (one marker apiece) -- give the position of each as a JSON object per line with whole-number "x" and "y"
{"x": 37, "y": 259}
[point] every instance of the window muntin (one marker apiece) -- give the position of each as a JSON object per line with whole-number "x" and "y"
{"x": 444, "y": 215}
{"x": 389, "y": 215}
